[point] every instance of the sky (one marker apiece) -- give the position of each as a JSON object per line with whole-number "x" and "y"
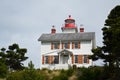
{"x": 23, "y": 21}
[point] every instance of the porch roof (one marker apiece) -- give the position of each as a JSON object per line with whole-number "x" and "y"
{"x": 65, "y": 52}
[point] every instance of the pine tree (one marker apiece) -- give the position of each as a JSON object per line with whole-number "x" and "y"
{"x": 13, "y": 57}
{"x": 110, "y": 51}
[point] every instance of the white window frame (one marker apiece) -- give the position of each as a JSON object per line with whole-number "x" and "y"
{"x": 85, "y": 58}
{"x": 46, "y": 60}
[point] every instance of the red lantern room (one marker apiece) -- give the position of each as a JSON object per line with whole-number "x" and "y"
{"x": 69, "y": 24}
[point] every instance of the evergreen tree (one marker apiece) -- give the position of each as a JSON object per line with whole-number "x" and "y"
{"x": 3, "y": 67}
{"x": 110, "y": 51}
{"x": 30, "y": 65}
{"x": 13, "y": 57}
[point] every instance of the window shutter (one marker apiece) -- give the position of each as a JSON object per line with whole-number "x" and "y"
{"x": 58, "y": 45}
{"x": 42, "y": 59}
{"x": 72, "y": 45}
{"x": 49, "y": 60}
{"x": 87, "y": 59}
{"x": 68, "y": 45}
{"x": 80, "y": 59}
{"x": 62, "y": 45}
{"x": 79, "y": 45}
{"x": 72, "y": 59}
{"x": 52, "y": 59}
{"x": 52, "y": 45}
{"x": 58, "y": 59}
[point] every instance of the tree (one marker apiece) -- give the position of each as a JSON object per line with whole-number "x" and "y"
{"x": 110, "y": 51}
{"x": 13, "y": 57}
{"x": 3, "y": 67}
{"x": 30, "y": 65}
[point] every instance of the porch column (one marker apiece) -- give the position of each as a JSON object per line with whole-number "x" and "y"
{"x": 69, "y": 60}
{"x": 59, "y": 58}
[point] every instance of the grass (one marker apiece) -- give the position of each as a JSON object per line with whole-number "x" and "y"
{"x": 2, "y": 79}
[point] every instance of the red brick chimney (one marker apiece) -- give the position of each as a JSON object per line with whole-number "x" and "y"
{"x": 81, "y": 28}
{"x": 53, "y": 30}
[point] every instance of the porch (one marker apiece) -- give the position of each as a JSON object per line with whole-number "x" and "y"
{"x": 57, "y": 66}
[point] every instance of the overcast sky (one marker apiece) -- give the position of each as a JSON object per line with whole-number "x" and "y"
{"x": 23, "y": 21}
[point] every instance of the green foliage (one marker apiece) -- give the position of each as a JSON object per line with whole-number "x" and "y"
{"x": 3, "y": 67}
{"x": 26, "y": 75}
{"x": 110, "y": 51}
{"x": 69, "y": 72}
{"x": 62, "y": 76}
{"x": 30, "y": 65}
{"x": 93, "y": 73}
{"x": 13, "y": 57}
{"x": 74, "y": 67}
{"x": 3, "y": 70}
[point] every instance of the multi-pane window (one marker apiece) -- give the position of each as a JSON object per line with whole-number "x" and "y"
{"x": 76, "y": 44}
{"x": 56, "y": 45}
{"x": 46, "y": 59}
{"x": 76, "y": 58}
{"x": 85, "y": 58}
{"x": 66, "y": 45}
{"x": 56, "y": 59}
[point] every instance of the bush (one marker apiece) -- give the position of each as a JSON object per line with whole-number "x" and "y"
{"x": 26, "y": 75}
{"x": 60, "y": 77}
{"x": 74, "y": 67}
{"x": 64, "y": 74}
{"x": 90, "y": 73}
{"x": 69, "y": 72}
{"x": 3, "y": 70}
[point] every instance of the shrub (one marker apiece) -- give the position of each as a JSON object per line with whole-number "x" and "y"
{"x": 93, "y": 73}
{"x": 60, "y": 77}
{"x": 3, "y": 70}
{"x": 26, "y": 75}
{"x": 69, "y": 72}
{"x": 74, "y": 67}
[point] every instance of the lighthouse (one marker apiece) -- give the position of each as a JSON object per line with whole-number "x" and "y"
{"x": 68, "y": 48}
{"x": 69, "y": 26}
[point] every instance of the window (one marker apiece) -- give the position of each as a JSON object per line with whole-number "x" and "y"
{"x": 66, "y": 45}
{"x": 46, "y": 59}
{"x": 85, "y": 58}
{"x": 76, "y": 45}
{"x": 55, "y": 45}
{"x": 56, "y": 59}
{"x": 76, "y": 58}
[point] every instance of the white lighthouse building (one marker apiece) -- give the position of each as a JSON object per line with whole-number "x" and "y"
{"x": 63, "y": 50}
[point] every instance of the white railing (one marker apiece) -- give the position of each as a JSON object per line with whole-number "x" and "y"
{"x": 57, "y": 66}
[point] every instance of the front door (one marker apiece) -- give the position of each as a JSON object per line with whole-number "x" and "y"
{"x": 65, "y": 59}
